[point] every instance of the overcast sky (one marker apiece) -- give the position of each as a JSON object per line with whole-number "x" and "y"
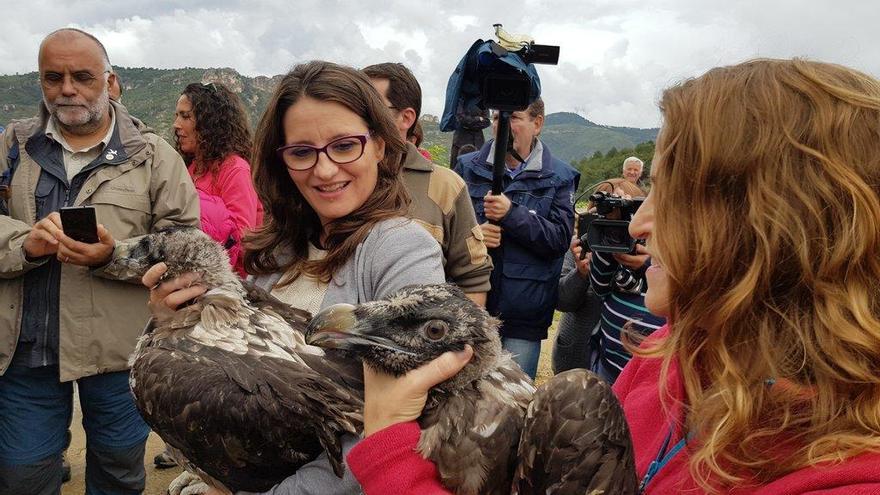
{"x": 616, "y": 55}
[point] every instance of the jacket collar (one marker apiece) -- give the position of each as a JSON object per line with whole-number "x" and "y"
{"x": 127, "y": 138}
{"x": 415, "y": 161}
{"x": 533, "y": 162}
{"x": 484, "y": 168}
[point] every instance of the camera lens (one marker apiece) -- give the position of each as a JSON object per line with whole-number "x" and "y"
{"x": 616, "y": 236}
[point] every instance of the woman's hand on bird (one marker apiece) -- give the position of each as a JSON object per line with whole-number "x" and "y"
{"x": 389, "y": 400}
{"x": 166, "y": 296}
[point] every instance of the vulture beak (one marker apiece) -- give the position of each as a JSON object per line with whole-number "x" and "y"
{"x": 337, "y": 327}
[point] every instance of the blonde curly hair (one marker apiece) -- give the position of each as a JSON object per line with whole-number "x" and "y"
{"x": 768, "y": 226}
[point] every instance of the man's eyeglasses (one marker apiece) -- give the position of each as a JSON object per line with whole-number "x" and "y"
{"x": 82, "y": 78}
{"x": 340, "y": 151}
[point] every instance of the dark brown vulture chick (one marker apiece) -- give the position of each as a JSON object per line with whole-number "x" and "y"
{"x": 471, "y": 422}
{"x": 229, "y": 381}
{"x": 575, "y": 440}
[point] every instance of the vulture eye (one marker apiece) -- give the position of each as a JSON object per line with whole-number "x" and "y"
{"x": 435, "y": 330}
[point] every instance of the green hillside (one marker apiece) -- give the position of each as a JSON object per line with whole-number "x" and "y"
{"x": 151, "y": 94}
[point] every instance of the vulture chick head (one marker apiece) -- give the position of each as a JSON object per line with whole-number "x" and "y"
{"x": 471, "y": 422}
{"x": 409, "y": 329}
{"x": 183, "y": 249}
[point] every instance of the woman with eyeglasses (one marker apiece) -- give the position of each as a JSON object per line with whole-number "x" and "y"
{"x": 212, "y": 133}
{"x": 327, "y": 161}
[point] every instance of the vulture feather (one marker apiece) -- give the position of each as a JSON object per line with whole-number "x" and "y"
{"x": 575, "y": 440}
{"x": 471, "y": 423}
{"x": 228, "y": 381}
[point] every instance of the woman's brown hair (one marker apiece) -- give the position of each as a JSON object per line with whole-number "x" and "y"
{"x": 768, "y": 226}
{"x": 221, "y": 124}
{"x": 290, "y": 222}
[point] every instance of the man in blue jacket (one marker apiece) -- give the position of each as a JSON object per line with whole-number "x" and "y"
{"x": 528, "y": 227}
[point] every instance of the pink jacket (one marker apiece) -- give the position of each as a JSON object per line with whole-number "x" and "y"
{"x": 226, "y": 196}
{"x": 639, "y": 393}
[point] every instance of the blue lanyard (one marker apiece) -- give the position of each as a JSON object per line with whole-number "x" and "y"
{"x": 662, "y": 458}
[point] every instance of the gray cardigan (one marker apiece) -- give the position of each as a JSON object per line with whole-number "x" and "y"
{"x": 396, "y": 253}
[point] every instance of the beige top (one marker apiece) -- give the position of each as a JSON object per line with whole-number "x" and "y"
{"x": 305, "y": 292}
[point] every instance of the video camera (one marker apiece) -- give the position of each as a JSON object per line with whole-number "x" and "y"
{"x": 605, "y": 228}
{"x": 497, "y": 75}
{"x": 510, "y": 83}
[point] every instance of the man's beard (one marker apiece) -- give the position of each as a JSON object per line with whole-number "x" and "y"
{"x": 79, "y": 119}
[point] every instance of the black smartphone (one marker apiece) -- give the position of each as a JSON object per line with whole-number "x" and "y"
{"x": 80, "y": 223}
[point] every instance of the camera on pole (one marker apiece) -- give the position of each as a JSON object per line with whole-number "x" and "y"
{"x": 500, "y": 76}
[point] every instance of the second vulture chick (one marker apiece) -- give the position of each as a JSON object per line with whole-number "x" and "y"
{"x": 228, "y": 381}
{"x": 471, "y": 423}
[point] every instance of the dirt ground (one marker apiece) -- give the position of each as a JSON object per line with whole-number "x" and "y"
{"x": 158, "y": 480}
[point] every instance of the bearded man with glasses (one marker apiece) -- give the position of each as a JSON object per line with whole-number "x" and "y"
{"x": 66, "y": 320}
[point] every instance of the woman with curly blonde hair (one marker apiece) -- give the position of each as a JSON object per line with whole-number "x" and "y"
{"x": 763, "y": 223}
{"x": 764, "y": 229}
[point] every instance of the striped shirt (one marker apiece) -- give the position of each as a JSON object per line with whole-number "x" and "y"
{"x": 620, "y": 309}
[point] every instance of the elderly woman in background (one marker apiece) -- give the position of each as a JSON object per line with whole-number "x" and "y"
{"x": 213, "y": 135}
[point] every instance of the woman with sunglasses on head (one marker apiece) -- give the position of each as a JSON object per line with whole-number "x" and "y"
{"x": 763, "y": 225}
{"x": 212, "y": 133}
{"x": 327, "y": 160}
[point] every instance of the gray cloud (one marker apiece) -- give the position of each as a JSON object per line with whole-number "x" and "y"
{"x": 616, "y": 56}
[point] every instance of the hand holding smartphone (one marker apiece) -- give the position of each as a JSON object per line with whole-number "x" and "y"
{"x": 80, "y": 223}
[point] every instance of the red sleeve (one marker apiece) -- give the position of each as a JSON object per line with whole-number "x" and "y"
{"x": 235, "y": 187}
{"x": 859, "y": 475}
{"x": 630, "y": 373}
{"x": 387, "y": 463}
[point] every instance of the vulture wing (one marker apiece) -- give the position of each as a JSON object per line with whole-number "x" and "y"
{"x": 244, "y": 398}
{"x": 264, "y": 301}
{"x": 473, "y": 437}
{"x": 575, "y": 440}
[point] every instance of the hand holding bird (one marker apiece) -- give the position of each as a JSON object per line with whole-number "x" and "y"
{"x": 389, "y": 400}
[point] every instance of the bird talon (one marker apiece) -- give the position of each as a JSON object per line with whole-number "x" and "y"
{"x": 181, "y": 484}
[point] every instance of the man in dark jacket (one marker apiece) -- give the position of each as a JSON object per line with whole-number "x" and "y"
{"x": 527, "y": 228}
